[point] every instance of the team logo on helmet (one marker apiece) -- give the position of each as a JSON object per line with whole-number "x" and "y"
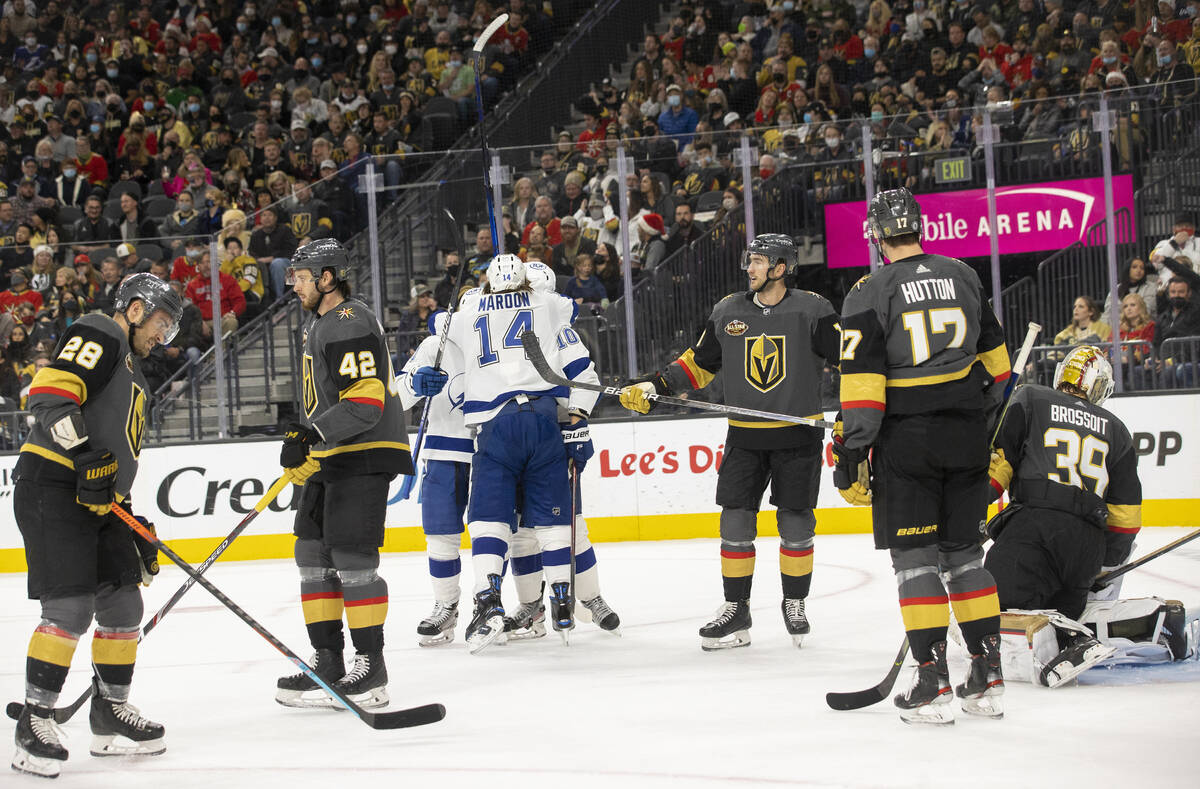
{"x": 310, "y": 387}
{"x": 735, "y": 328}
{"x": 301, "y": 224}
{"x": 765, "y": 361}
{"x": 135, "y": 420}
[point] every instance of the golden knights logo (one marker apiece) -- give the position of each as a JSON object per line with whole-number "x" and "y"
{"x": 310, "y": 387}
{"x": 301, "y": 224}
{"x": 765, "y": 366}
{"x": 135, "y": 421}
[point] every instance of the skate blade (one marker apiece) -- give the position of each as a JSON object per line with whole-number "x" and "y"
{"x": 565, "y": 635}
{"x": 537, "y": 630}
{"x": 41, "y": 766}
{"x": 491, "y": 632}
{"x": 444, "y": 637}
{"x": 1066, "y": 672}
{"x": 116, "y": 745}
{"x": 985, "y": 706}
{"x": 368, "y": 700}
{"x": 306, "y": 699}
{"x": 937, "y": 714}
{"x": 798, "y": 640}
{"x": 739, "y": 639}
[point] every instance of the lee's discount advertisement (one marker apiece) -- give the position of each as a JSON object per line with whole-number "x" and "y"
{"x": 1029, "y": 218}
{"x": 649, "y": 479}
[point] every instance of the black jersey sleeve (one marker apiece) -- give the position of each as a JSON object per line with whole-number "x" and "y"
{"x": 83, "y": 364}
{"x": 358, "y": 365}
{"x": 1123, "y": 501}
{"x": 827, "y": 338}
{"x": 697, "y": 366}
{"x": 863, "y": 356}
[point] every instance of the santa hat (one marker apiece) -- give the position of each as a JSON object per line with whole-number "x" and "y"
{"x": 652, "y": 224}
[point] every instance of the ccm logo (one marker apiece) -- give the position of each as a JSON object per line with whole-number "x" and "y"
{"x": 913, "y": 531}
{"x": 103, "y": 471}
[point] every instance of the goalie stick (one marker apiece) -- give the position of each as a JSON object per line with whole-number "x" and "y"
{"x": 397, "y": 719}
{"x": 64, "y": 714}
{"x": 865, "y": 698}
{"x": 533, "y": 351}
{"x": 1104, "y": 579}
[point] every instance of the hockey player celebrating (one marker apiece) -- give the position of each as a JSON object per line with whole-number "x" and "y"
{"x": 1071, "y": 469}
{"x": 923, "y": 366}
{"x": 350, "y": 445}
{"x": 773, "y": 343}
{"x": 89, "y": 409}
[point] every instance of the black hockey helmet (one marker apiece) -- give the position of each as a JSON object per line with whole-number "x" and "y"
{"x": 156, "y": 294}
{"x": 776, "y": 247}
{"x": 319, "y": 255}
{"x": 893, "y": 213}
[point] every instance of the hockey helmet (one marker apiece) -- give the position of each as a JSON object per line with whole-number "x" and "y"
{"x": 318, "y": 255}
{"x": 776, "y": 247}
{"x": 1085, "y": 373}
{"x": 156, "y": 294}
{"x": 893, "y": 213}
{"x": 540, "y": 276}
{"x": 505, "y": 272}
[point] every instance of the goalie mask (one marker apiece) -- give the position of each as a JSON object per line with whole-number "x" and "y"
{"x": 539, "y": 276}
{"x": 1085, "y": 373}
{"x": 505, "y": 272}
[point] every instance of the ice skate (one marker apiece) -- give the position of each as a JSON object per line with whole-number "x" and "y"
{"x": 795, "y": 620}
{"x": 438, "y": 627}
{"x": 487, "y": 625}
{"x": 118, "y": 729}
{"x": 366, "y": 682}
{"x": 298, "y": 690}
{"x": 528, "y": 621}
{"x": 1080, "y": 654}
{"x": 601, "y": 615}
{"x": 562, "y": 609}
{"x": 730, "y": 628}
{"x": 39, "y": 749}
{"x": 981, "y": 692}
{"x": 928, "y": 699}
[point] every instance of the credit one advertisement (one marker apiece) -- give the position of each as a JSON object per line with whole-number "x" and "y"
{"x": 1029, "y": 218}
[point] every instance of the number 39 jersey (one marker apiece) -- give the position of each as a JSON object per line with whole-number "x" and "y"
{"x": 1069, "y": 454}
{"x": 918, "y": 337}
{"x": 350, "y": 395}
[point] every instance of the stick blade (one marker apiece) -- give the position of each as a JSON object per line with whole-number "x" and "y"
{"x": 854, "y": 701}
{"x": 488, "y": 32}
{"x": 13, "y": 710}
{"x": 403, "y": 719}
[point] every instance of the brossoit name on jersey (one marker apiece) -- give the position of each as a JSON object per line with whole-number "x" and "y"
{"x": 927, "y": 289}
{"x": 1079, "y": 418}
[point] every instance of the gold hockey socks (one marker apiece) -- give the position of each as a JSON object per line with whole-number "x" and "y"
{"x": 737, "y": 571}
{"x": 113, "y": 654}
{"x": 49, "y": 658}
{"x": 366, "y": 610}
{"x": 322, "y": 604}
{"x": 976, "y": 606}
{"x": 795, "y": 567}
{"x": 926, "y": 613}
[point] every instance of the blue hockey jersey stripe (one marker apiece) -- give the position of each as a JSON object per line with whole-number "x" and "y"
{"x": 475, "y": 406}
{"x": 450, "y": 444}
{"x": 576, "y": 367}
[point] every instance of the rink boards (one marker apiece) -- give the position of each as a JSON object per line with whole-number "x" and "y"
{"x": 651, "y": 479}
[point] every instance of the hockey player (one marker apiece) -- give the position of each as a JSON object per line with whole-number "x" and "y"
{"x": 89, "y": 409}
{"x": 1071, "y": 469}
{"x": 348, "y": 447}
{"x": 923, "y": 367}
{"x": 447, "y": 459}
{"x": 518, "y": 441}
{"x": 773, "y": 343}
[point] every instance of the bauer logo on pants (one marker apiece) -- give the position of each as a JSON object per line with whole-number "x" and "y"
{"x": 765, "y": 361}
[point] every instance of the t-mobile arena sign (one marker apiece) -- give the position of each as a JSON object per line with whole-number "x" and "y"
{"x": 1029, "y": 218}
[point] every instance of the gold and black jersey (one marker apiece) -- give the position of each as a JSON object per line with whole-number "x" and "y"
{"x": 772, "y": 360}
{"x": 95, "y": 373}
{"x": 918, "y": 337}
{"x": 1066, "y": 453}
{"x": 350, "y": 395}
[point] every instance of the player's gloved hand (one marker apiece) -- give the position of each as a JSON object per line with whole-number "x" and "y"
{"x": 296, "y": 443}
{"x": 428, "y": 381}
{"x": 999, "y": 473}
{"x": 578, "y": 440}
{"x": 300, "y": 474}
{"x": 147, "y": 551}
{"x": 1106, "y": 591}
{"x": 95, "y": 478}
{"x": 636, "y": 394}
{"x": 851, "y": 471}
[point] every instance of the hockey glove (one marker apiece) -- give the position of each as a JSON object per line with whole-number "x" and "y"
{"x": 1106, "y": 591}
{"x": 636, "y": 394}
{"x": 428, "y": 381}
{"x": 851, "y": 471}
{"x": 96, "y": 476}
{"x": 147, "y": 551}
{"x": 296, "y": 443}
{"x": 999, "y": 473}
{"x": 578, "y": 441}
{"x": 300, "y": 474}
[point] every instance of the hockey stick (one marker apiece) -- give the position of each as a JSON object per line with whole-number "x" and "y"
{"x": 415, "y": 716}
{"x": 533, "y": 351}
{"x": 1104, "y": 579}
{"x": 477, "y": 63}
{"x": 574, "y": 472}
{"x": 64, "y": 714}
{"x": 865, "y": 698}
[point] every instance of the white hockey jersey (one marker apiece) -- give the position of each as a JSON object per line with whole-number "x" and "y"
{"x": 447, "y": 436}
{"x": 487, "y": 333}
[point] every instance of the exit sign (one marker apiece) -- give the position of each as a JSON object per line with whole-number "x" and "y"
{"x": 952, "y": 170}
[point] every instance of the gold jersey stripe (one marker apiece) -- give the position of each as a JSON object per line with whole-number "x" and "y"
{"x": 995, "y": 361}
{"x": 61, "y": 382}
{"x": 1125, "y": 516}
{"x": 930, "y": 380}
{"x": 863, "y": 386}
{"x": 363, "y": 447}
{"x": 48, "y": 454}
{"x": 700, "y": 377}
{"x": 779, "y": 423}
{"x": 367, "y": 389}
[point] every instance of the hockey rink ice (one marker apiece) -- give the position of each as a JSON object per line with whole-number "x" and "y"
{"x": 647, "y": 709}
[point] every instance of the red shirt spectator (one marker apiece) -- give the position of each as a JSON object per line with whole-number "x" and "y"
{"x": 18, "y": 293}
{"x": 183, "y": 270}
{"x": 852, "y": 50}
{"x": 232, "y": 298}
{"x": 518, "y": 37}
{"x": 92, "y": 167}
{"x": 553, "y": 232}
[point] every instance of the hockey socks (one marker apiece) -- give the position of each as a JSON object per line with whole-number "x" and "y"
{"x": 795, "y": 569}
{"x": 444, "y": 566}
{"x": 489, "y": 546}
{"x": 114, "y": 651}
{"x": 366, "y": 609}
{"x": 321, "y": 600}
{"x": 925, "y": 609}
{"x": 976, "y": 605}
{"x": 49, "y": 658}
{"x": 737, "y": 570}
{"x": 555, "y": 542}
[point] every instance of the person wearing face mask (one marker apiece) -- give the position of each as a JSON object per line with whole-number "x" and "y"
{"x": 32, "y": 55}
{"x": 835, "y": 167}
{"x": 1174, "y": 81}
{"x": 914, "y": 22}
{"x": 184, "y": 220}
{"x": 1179, "y": 316}
{"x": 678, "y": 118}
{"x": 69, "y": 187}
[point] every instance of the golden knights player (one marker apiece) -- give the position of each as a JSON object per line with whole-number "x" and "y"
{"x": 1071, "y": 469}
{"x": 89, "y": 407}
{"x": 923, "y": 367}
{"x": 350, "y": 444}
{"x": 772, "y": 343}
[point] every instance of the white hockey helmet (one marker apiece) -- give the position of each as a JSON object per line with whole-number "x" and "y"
{"x": 505, "y": 272}
{"x": 1086, "y": 373}
{"x": 540, "y": 276}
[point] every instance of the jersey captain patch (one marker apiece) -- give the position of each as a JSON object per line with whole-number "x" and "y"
{"x": 735, "y": 328}
{"x": 135, "y": 421}
{"x": 765, "y": 366}
{"x": 310, "y": 387}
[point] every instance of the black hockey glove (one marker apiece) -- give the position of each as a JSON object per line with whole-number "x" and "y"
{"x": 96, "y": 477}
{"x": 296, "y": 443}
{"x": 147, "y": 551}
{"x": 635, "y": 395}
{"x": 851, "y": 471}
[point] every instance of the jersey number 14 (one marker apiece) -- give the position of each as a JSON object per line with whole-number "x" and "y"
{"x": 521, "y": 322}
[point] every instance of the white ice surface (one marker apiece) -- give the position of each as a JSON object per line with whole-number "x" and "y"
{"x": 648, "y": 709}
